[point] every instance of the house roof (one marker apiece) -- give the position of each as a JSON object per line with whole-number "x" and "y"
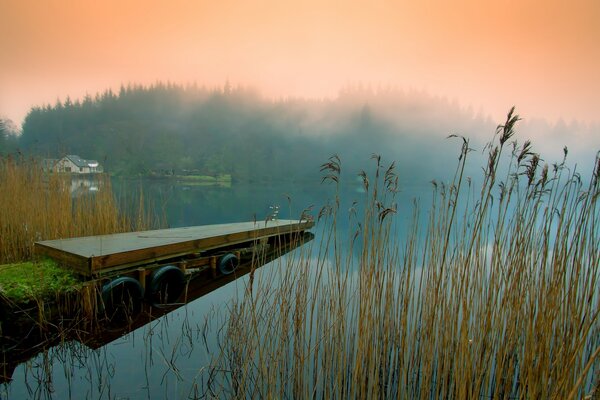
{"x": 80, "y": 162}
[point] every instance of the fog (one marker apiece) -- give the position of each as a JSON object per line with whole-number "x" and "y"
{"x": 167, "y": 129}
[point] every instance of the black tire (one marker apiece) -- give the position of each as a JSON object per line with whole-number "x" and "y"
{"x": 122, "y": 299}
{"x": 228, "y": 263}
{"x": 166, "y": 285}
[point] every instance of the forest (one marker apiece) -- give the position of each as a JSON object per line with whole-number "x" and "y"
{"x": 169, "y": 129}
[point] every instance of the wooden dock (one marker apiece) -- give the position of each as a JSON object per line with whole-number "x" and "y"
{"x": 21, "y": 340}
{"x": 98, "y": 255}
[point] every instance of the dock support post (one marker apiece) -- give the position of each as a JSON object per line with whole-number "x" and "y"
{"x": 213, "y": 266}
{"x": 142, "y": 277}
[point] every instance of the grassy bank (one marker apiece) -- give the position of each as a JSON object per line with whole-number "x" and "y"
{"x": 204, "y": 178}
{"x": 43, "y": 279}
{"x": 496, "y": 296}
{"x": 219, "y": 178}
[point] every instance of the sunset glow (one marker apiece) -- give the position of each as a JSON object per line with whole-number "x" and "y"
{"x": 542, "y": 56}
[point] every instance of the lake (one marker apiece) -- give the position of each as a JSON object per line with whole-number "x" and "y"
{"x": 168, "y": 357}
{"x": 179, "y": 354}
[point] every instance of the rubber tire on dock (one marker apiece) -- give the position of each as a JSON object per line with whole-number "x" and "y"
{"x": 122, "y": 299}
{"x": 166, "y": 285}
{"x": 228, "y": 263}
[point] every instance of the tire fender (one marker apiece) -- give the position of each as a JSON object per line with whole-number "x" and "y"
{"x": 228, "y": 263}
{"x": 122, "y": 297}
{"x": 165, "y": 285}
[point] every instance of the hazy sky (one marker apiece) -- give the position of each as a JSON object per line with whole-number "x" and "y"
{"x": 541, "y": 55}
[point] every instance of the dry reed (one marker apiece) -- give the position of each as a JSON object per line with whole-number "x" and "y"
{"x": 38, "y": 206}
{"x": 496, "y": 297}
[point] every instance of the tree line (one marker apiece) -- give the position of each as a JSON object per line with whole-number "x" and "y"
{"x": 172, "y": 129}
{"x": 8, "y": 138}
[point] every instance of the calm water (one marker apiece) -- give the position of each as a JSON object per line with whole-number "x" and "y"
{"x": 169, "y": 356}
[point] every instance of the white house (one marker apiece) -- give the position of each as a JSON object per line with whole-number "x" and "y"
{"x": 75, "y": 165}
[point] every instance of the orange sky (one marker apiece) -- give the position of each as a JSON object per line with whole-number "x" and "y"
{"x": 542, "y": 56}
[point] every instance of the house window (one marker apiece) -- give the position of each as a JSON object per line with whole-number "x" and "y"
{"x": 68, "y": 169}
{"x": 80, "y": 169}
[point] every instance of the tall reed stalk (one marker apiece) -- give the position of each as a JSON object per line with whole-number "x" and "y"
{"x": 38, "y": 206}
{"x": 496, "y": 296}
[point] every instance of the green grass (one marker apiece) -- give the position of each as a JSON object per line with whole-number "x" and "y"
{"x": 25, "y": 281}
{"x": 205, "y": 178}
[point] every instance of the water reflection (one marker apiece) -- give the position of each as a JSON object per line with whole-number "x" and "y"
{"x": 158, "y": 350}
{"x": 81, "y": 185}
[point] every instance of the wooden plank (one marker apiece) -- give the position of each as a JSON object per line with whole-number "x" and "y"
{"x": 80, "y": 264}
{"x": 200, "y": 285}
{"x": 124, "y": 250}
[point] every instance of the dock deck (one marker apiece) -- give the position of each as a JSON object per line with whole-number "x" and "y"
{"x": 94, "y": 255}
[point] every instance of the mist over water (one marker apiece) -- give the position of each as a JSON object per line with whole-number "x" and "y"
{"x": 168, "y": 129}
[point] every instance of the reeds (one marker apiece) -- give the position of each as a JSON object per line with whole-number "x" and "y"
{"x": 38, "y": 206}
{"x": 495, "y": 296}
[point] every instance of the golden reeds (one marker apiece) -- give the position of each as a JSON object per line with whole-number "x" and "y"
{"x": 39, "y": 206}
{"x": 496, "y": 296}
